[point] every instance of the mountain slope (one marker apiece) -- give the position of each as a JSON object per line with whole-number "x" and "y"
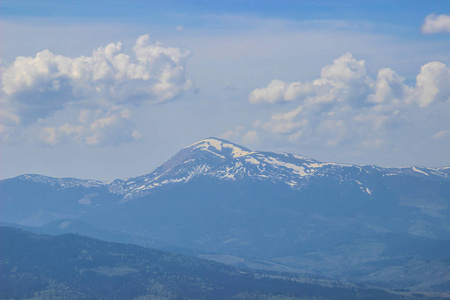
{"x": 75, "y": 267}
{"x": 224, "y": 160}
{"x": 218, "y": 198}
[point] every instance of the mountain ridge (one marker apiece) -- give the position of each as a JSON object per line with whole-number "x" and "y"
{"x": 218, "y": 199}
{"x": 226, "y": 160}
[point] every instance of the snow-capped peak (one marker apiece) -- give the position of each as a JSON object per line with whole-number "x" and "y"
{"x": 220, "y": 147}
{"x": 219, "y": 159}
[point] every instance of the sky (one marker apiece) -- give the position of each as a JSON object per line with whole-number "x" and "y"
{"x": 112, "y": 89}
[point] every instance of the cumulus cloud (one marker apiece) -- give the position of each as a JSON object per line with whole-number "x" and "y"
{"x": 94, "y": 128}
{"x": 34, "y": 88}
{"x": 347, "y": 106}
{"x": 274, "y": 92}
{"x": 345, "y": 79}
{"x": 432, "y": 84}
{"x": 389, "y": 88}
{"x": 436, "y": 23}
{"x": 284, "y": 123}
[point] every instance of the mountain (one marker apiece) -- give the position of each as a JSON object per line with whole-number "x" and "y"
{"x": 269, "y": 210}
{"x": 224, "y": 160}
{"x": 77, "y": 267}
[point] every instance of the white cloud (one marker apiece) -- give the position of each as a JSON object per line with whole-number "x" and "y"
{"x": 285, "y": 123}
{"x": 343, "y": 80}
{"x": 389, "y": 87}
{"x": 345, "y": 106}
{"x": 108, "y": 75}
{"x": 436, "y": 23}
{"x": 274, "y": 92}
{"x": 344, "y": 69}
{"x": 35, "y": 88}
{"x": 433, "y": 84}
{"x": 95, "y": 127}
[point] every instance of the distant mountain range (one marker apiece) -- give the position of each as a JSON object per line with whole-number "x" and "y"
{"x": 35, "y": 266}
{"x": 386, "y": 227}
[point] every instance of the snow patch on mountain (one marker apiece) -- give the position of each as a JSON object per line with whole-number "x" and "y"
{"x": 232, "y": 162}
{"x": 223, "y": 160}
{"x": 252, "y": 160}
{"x": 419, "y": 171}
{"x": 296, "y": 169}
{"x": 61, "y": 183}
{"x": 212, "y": 145}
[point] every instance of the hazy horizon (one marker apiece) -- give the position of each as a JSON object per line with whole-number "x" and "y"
{"x": 106, "y": 91}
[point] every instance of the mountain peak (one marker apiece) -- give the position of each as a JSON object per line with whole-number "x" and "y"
{"x": 220, "y": 147}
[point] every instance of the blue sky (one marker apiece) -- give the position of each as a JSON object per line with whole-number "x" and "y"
{"x": 400, "y": 12}
{"x": 111, "y": 89}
